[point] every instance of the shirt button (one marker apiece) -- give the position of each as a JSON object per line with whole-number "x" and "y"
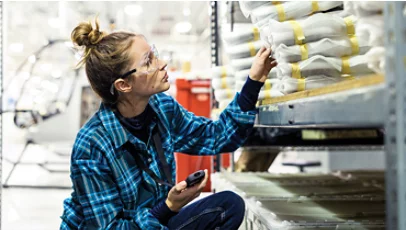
{"x": 149, "y": 160}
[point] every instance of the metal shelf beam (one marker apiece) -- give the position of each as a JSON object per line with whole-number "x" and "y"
{"x": 356, "y": 108}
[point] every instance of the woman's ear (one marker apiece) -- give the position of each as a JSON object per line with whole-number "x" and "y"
{"x": 122, "y": 85}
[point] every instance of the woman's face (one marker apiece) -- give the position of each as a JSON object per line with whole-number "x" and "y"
{"x": 151, "y": 76}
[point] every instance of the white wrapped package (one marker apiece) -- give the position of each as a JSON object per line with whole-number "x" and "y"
{"x": 243, "y": 74}
{"x": 269, "y": 84}
{"x": 224, "y": 94}
{"x": 373, "y": 27}
{"x": 222, "y": 71}
{"x": 290, "y": 85}
{"x": 224, "y": 103}
{"x": 268, "y": 94}
{"x": 241, "y": 64}
{"x": 245, "y": 50}
{"x": 223, "y": 83}
{"x": 289, "y": 10}
{"x": 376, "y": 59}
{"x": 311, "y": 29}
{"x": 241, "y": 35}
{"x": 327, "y": 66}
{"x": 365, "y": 8}
{"x": 248, "y": 6}
{"x": 328, "y": 47}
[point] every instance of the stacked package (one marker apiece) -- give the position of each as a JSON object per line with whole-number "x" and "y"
{"x": 313, "y": 47}
{"x": 370, "y": 22}
{"x": 241, "y": 46}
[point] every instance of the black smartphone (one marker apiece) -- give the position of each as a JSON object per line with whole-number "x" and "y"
{"x": 195, "y": 178}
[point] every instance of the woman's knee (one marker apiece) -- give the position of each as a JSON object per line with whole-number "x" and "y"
{"x": 232, "y": 202}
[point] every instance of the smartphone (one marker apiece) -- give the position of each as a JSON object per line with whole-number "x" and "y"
{"x": 195, "y": 178}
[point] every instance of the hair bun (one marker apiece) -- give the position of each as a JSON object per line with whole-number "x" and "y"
{"x": 85, "y": 35}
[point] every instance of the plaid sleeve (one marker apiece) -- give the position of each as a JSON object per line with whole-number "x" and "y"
{"x": 202, "y": 136}
{"x": 100, "y": 200}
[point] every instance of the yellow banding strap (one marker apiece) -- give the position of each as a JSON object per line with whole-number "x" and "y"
{"x": 299, "y": 35}
{"x": 281, "y": 12}
{"x": 296, "y": 71}
{"x": 223, "y": 72}
{"x": 354, "y": 44}
{"x": 229, "y": 94}
{"x": 350, "y": 25}
{"x": 304, "y": 51}
{"x": 268, "y": 87}
{"x": 345, "y": 67}
{"x": 315, "y": 6}
{"x": 349, "y": 78}
{"x": 256, "y": 33}
{"x": 223, "y": 83}
{"x": 301, "y": 84}
{"x": 252, "y": 49}
{"x": 276, "y": 2}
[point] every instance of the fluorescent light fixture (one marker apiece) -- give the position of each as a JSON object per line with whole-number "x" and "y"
{"x": 183, "y": 27}
{"x": 17, "y": 47}
{"x": 32, "y": 59}
{"x": 133, "y": 9}
{"x": 186, "y": 11}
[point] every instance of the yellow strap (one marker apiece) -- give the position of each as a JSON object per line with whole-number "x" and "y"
{"x": 354, "y": 45}
{"x": 345, "y": 67}
{"x": 256, "y": 33}
{"x": 252, "y": 49}
{"x": 299, "y": 35}
{"x": 296, "y": 71}
{"x": 275, "y": 2}
{"x": 224, "y": 83}
{"x": 315, "y": 6}
{"x": 304, "y": 51}
{"x": 223, "y": 72}
{"x": 301, "y": 84}
{"x": 281, "y": 12}
{"x": 268, "y": 87}
{"x": 350, "y": 25}
{"x": 229, "y": 94}
{"x": 349, "y": 77}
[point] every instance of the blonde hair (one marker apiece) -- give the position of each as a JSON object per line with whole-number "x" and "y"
{"x": 106, "y": 57}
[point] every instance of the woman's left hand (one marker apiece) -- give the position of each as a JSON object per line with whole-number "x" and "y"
{"x": 262, "y": 65}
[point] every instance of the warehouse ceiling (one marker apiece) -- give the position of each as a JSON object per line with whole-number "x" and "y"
{"x": 29, "y": 25}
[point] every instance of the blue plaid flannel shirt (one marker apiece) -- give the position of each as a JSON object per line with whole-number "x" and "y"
{"x": 110, "y": 192}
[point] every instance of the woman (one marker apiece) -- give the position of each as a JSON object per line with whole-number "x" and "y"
{"x": 122, "y": 161}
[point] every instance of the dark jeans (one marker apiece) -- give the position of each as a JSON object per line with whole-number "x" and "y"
{"x": 223, "y": 210}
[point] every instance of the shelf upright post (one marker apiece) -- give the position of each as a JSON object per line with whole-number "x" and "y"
{"x": 395, "y": 123}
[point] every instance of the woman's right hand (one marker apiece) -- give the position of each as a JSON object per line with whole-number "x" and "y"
{"x": 180, "y": 196}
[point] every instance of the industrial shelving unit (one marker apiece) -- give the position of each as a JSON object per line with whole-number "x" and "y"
{"x": 376, "y": 102}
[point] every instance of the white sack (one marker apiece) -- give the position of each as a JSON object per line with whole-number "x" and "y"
{"x": 243, "y": 63}
{"x": 292, "y": 10}
{"x": 376, "y": 59}
{"x": 243, "y": 74}
{"x": 328, "y": 47}
{"x": 224, "y": 94}
{"x": 241, "y": 35}
{"x": 327, "y": 66}
{"x": 314, "y": 28}
{"x": 373, "y": 28}
{"x": 244, "y": 50}
{"x": 290, "y": 85}
{"x": 222, "y": 71}
{"x": 223, "y": 83}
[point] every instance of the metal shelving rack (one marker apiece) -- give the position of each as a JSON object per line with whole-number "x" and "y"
{"x": 1, "y": 97}
{"x": 381, "y": 105}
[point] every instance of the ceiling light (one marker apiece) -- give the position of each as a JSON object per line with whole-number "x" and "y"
{"x": 17, "y": 47}
{"x": 133, "y": 10}
{"x": 54, "y": 22}
{"x": 32, "y": 59}
{"x": 183, "y": 27}
{"x": 186, "y": 11}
